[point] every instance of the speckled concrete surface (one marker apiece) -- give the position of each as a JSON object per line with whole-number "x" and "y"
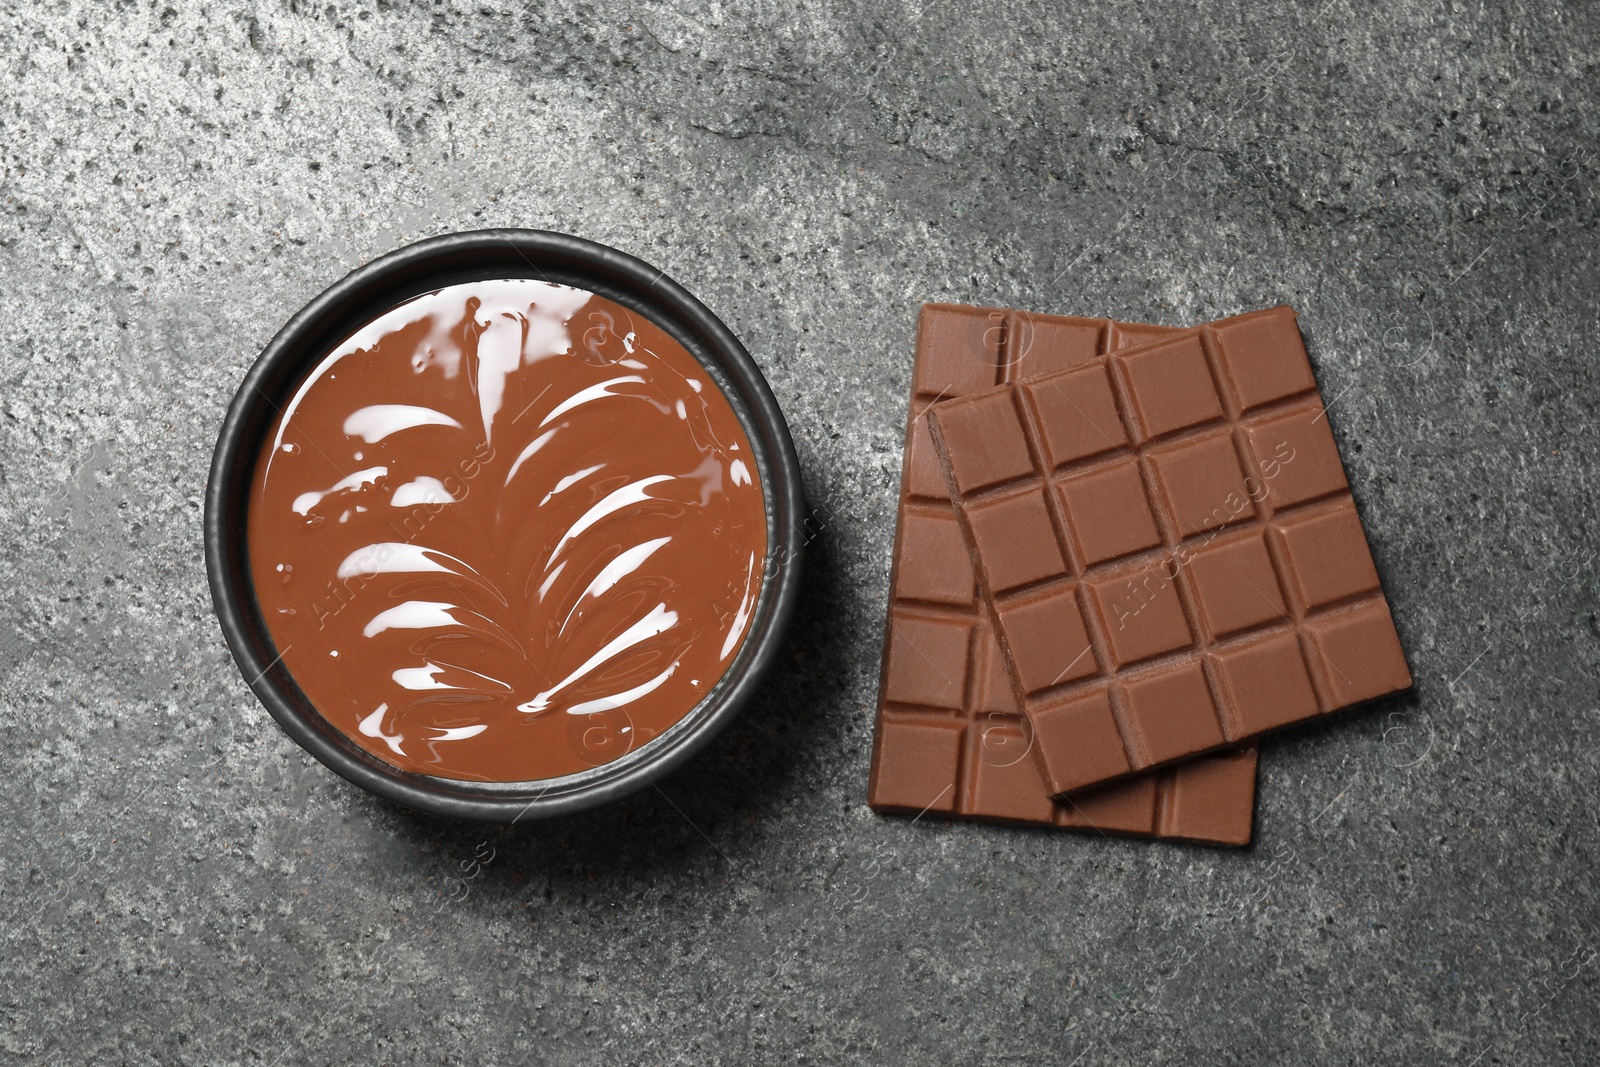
{"x": 182, "y": 885}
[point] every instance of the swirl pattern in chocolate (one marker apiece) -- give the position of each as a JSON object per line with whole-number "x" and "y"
{"x": 507, "y": 531}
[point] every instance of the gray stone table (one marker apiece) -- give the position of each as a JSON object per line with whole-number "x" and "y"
{"x": 181, "y": 885}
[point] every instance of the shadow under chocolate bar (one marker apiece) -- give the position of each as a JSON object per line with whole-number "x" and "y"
{"x": 1167, "y": 541}
{"x": 950, "y": 739}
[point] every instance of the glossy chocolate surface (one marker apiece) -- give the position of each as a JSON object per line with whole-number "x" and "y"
{"x": 508, "y": 531}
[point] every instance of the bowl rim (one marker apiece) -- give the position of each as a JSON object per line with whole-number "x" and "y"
{"x": 381, "y": 284}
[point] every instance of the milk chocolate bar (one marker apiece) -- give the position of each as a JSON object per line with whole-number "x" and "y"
{"x": 1166, "y": 540}
{"x": 950, "y": 738}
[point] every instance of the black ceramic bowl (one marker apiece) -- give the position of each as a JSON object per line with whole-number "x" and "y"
{"x": 374, "y": 289}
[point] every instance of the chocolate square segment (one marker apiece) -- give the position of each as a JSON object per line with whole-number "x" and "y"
{"x": 1266, "y": 681}
{"x": 917, "y": 765}
{"x": 945, "y": 576}
{"x": 1079, "y": 739}
{"x": 1171, "y": 712}
{"x": 1201, "y": 484}
{"x": 924, "y": 474}
{"x": 983, "y": 441}
{"x": 1047, "y": 639}
{"x": 1015, "y": 539}
{"x": 1042, "y": 344}
{"x": 1006, "y": 785}
{"x": 1262, "y": 358}
{"x": 927, "y": 662}
{"x": 1194, "y": 808}
{"x": 1327, "y": 555}
{"x": 1077, "y": 416}
{"x": 1141, "y": 613}
{"x": 1357, "y": 654}
{"x": 1235, "y": 585}
{"x": 1297, "y": 457}
{"x": 958, "y": 349}
{"x": 951, "y": 740}
{"x": 1132, "y": 335}
{"x": 1107, "y": 512}
{"x": 1130, "y": 808}
{"x": 1218, "y": 584}
{"x": 1003, "y": 741}
{"x": 995, "y": 693}
{"x": 1169, "y": 386}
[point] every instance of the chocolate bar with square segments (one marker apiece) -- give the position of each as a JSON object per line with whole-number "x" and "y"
{"x": 950, "y": 740}
{"x": 1180, "y": 565}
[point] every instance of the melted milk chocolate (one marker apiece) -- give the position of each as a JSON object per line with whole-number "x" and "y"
{"x": 507, "y": 531}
